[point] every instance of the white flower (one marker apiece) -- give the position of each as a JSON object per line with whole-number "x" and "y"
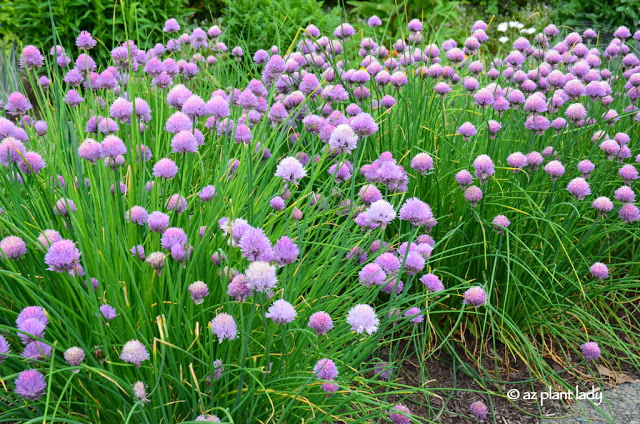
{"x": 514, "y": 24}
{"x": 531, "y": 30}
{"x": 503, "y": 27}
{"x": 503, "y": 39}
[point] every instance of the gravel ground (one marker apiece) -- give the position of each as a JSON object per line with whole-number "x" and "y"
{"x": 620, "y": 405}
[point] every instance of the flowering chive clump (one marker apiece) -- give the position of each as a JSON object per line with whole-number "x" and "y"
{"x": 360, "y": 186}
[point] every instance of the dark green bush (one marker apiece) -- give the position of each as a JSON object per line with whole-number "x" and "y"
{"x": 599, "y": 12}
{"x": 31, "y": 20}
{"x": 263, "y": 23}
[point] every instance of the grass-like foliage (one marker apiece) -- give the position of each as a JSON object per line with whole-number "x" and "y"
{"x": 194, "y": 231}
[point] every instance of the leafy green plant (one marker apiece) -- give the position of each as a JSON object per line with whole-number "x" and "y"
{"x": 606, "y": 12}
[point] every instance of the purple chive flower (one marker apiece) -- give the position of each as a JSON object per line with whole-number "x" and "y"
{"x": 321, "y": 322}
{"x": 184, "y": 142}
{"x": 400, "y": 414}
{"x": 85, "y": 41}
{"x": 90, "y": 150}
{"x": 108, "y": 312}
{"x": 517, "y": 161}
{"x": 464, "y": 178}
{"x": 290, "y": 169}
{"x": 32, "y": 312}
{"x": 277, "y": 203}
{"x": 603, "y": 205}
{"x": 30, "y": 384}
{"x": 158, "y": 221}
{"x": 362, "y": 318}
{"x": 363, "y": 125}
{"x": 31, "y": 57}
{"x": 372, "y": 274}
{"x": 207, "y": 193}
{"x": 62, "y": 256}
{"x": 599, "y": 270}
{"x": 629, "y": 213}
{"x": 628, "y": 173}
{"x": 281, "y": 312}
{"x": 579, "y": 188}
{"x": 31, "y": 329}
{"x": 422, "y": 162}
{"x": 484, "y": 168}
{"x": 165, "y": 168}
{"x": 237, "y": 288}
{"x": 113, "y": 146}
{"x": 156, "y": 260}
{"x": 374, "y": 21}
{"x": 121, "y": 109}
{"x": 73, "y": 98}
{"x": 255, "y": 245}
{"x": 591, "y": 351}
{"x": 137, "y": 215}
{"x": 32, "y": 163}
{"x": 432, "y": 283}
{"x": 285, "y": 251}
{"x": 479, "y": 410}
{"x": 325, "y": 369}
{"x": 74, "y": 357}
{"x": 11, "y": 150}
{"x": 198, "y": 292}
{"x": 380, "y": 213}
{"x": 625, "y": 194}
{"x": 389, "y": 262}
{"x": 140, "y": 391}
{"x": 171, "y": 25}
{"x": 64, "y": 207}
{"x": 473, "y": 195}
{"x": 585, "y": 167}
{"x": 17, "y": 104}
{"x": 173, "y": 236}
{"x": 467, "y": 130}
{"x": 555, "y": 169}
{"x": 36, "y": 351}
{"x": 138, "y": 252}
{"x": 12, "y": 247}
{"x": 416, "y": 315}
{"x": 261, "y": 276}
{"x": 343, "y": 139}
{"x": 475, "y": 296}
{"x": 416, "y": 211}
{"x": 500, "y": 223}
{"x": 134, "y": 352}
{"x": 4, "y": 349}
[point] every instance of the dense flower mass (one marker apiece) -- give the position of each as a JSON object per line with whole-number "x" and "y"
{"x": 328, "y": 208}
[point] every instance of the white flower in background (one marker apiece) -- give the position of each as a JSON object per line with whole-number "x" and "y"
{"x": 528, "y": 31}
{"x": 503, "y": 39}
{"x": 503, "y": 27}
{"x": 514, "y": 24}
{"x": 519, "y": 25}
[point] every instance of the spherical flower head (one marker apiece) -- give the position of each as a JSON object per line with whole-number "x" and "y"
{"x": 134, "y": 352}
{"x": 325, "y": 369}
{"x": 74, "y": 357}
{"x": 62, "y": 256}
{"x": 600, "y": 271}
{"x": 475, "y": 296}
{"x": 4, "y": 349}
{"x": 113, "y": 146}
{"x": 30, "y": 384}
{"x": 31, "y": 57}
{"x": 591, "y": 351}
{"x": 415, "y": 314}
{"x": 628, "y": 173}
{"x": 12, "y": 247}
{"x": 290, "y": 169}
{"x": 344, "y": 31}
{"x": 464, "y": 178}
{"x": 374, "y": 21}
{"x": 484, "y": 167}
{"x": 517, "y": 161}
{"x": 362, "y": 318}
{"x": 555, "y": 169}
{"x": 479, "y": 410}
{"x": 416, "y": 211}
{"x": 629, "y": 213}
{"x": 400, "y": 414}
{"x": 158, "y": 222}
{"x": 467, "y": 130}
{"x": 261, "y": 276}
{"x": 11, "y": 150}
{"x": 256, "y": 246}
{"x": 285, "y": 251}
{"x": 281, "y": 312}
{"x": 372, "y": 274}
{"x": 165, "y": 168}
{"x": 108, "y": 312}
{"x": 277, "y": 203}
{"x": 388, "y": 262}
{"x": 64, "y": 207}
{"x": 579, "y": 188}
{"x": 500, "y": 223}
{"x": 473, "y": 195}
{"x": 173, "y": 236}
{"x": 17, "y": 104}
{"x": 156, "y": 260}
{"x": 369, "y": 194}
{"x": 585, "y": 167}
{"x": 321, "y": 323}
{"x": 198, "y": 292}
{"x": 31, "y": 329}
{"x": 137, "y": 215}
{"x": 422, "y": 162}
{"x": 121, "y": 109}
{"x": 178, "y": 95}
{"x": 343, "y": 139}
{"x": 207, "y": 193}
{"x": 432, "y": 283}
{"x": 380, "y": 213}
{"x": 85, "y": 41}
{"x": 171, "y": 25}
{"x": 140, "y": 391}
{"x": 184, "y": 142}
{"x": 32, "y": 312}
{"x": 603, "y": 205}
{"x": 363, "y": 125}
{"x": 36, "y": 351}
